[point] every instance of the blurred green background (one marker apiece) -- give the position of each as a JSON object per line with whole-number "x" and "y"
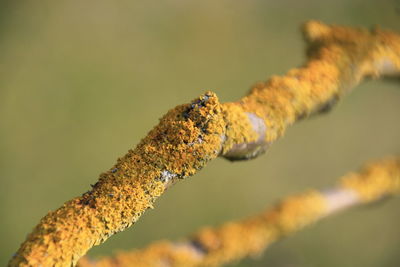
{"x": 83, "y": 81}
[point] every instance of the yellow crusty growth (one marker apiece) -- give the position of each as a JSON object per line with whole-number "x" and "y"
{"x": 186, "y": 138}
{"x": 236, "y": 240}
{"x": 375, "y": 181}
{"x": 162, "y": 253}
{"x": 339, "y": 57}
{"x": 190, "y": 135}
{"x": 231, "y": 241}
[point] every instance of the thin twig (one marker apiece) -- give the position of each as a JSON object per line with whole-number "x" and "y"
{"x": 236, "y": 240}
{"x": 190, "y": 135}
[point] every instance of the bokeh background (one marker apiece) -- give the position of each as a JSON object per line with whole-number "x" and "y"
{"x": 81, "y": 82}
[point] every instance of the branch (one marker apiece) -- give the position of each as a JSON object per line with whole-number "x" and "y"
{"x": 190, "y": 135}
{"x": 236, "y": 240}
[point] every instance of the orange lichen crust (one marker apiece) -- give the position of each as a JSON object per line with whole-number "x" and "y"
{"x": 186, "y": 138}
{"x": 227, "y": 243}
{"x": 236, "y": 240}
{"x": 338, "y": 59}
{"x": 190, "y": 135}
{"x": 375, "y": 181}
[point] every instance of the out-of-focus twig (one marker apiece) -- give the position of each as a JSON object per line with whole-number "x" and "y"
{"x": 236, "y": 240}
{"x": 190, "y": 135}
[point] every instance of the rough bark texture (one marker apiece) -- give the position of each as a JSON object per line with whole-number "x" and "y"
{"x": 190, "y": 135}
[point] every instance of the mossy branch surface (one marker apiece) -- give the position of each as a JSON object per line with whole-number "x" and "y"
{"x": 190, "y": 135}
{"x": 250, "y": 237}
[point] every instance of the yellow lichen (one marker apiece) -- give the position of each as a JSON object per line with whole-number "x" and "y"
{"x": 375, "y": 181}
{"x": 235, "y": 240}
{"x": 186, "y": 138}
{"x": 190, "y": 135}
{"x": 339, "y": 57}
{"x": 162, "y": 253}
{"x": 240, "y": 133}
{"x": 229, "y": 242}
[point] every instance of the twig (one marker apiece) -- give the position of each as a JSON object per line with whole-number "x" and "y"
{"x": 236, "y": 240}
{"x": 190, "y": 135}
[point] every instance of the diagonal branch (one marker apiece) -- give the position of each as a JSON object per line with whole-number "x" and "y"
{"x": 190, "y": 135}
{"x": 236, "y": 240}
